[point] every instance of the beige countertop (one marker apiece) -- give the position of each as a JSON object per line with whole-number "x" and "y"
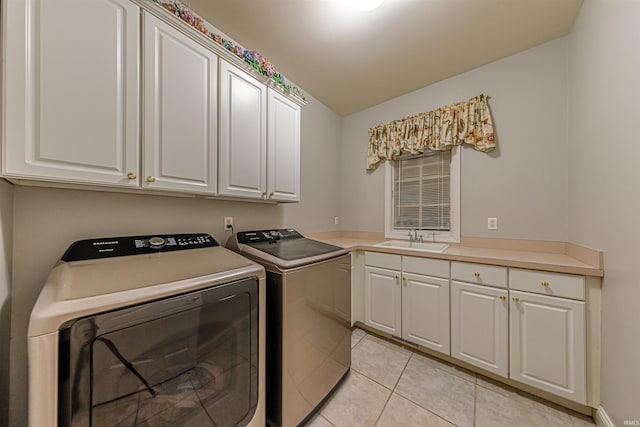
{"x": 548, "y": 256}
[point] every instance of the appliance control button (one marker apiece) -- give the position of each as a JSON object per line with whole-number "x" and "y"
{"x": 156, "y": 242}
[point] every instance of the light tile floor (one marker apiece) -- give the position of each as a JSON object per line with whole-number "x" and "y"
{"x": 392, "y": 386}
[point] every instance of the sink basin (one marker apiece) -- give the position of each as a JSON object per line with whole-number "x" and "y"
{"x": 414, "y": 246}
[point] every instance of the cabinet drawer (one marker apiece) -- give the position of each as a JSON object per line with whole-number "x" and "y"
{"x": 426, "y": 266}
{"x": 479, "y": 273}
{"x": 376, "y": 259}
{"x": 546, "y": 283}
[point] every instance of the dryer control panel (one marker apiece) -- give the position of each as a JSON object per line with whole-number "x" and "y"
{"x": 109, "y": 247}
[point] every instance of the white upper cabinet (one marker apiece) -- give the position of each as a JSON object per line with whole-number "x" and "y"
{"x": 74, "y": 73}
{"x": 243, "y": 134}
{"x": 259, "y": 139}
{"x": 180, "y": 111}
{"x": 283, "y": 149}
{"x": 71, "y": 91}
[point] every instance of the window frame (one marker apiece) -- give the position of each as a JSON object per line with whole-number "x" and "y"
{"x": 451, "y": 236}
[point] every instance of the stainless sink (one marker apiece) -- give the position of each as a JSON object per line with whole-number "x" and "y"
{"x": 415, "y": 246}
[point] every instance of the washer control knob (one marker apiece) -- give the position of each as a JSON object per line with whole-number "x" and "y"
{"x": 156, "y": 242}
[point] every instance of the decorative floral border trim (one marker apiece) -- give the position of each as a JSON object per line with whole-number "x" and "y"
{"x": 251, "y": 57}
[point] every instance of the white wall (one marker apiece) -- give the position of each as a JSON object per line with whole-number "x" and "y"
{"x": 6, "y": 237}
{"x": 48, "y": 220}
{"x": 523, "y": 182}
{"x": 604, "y": 200}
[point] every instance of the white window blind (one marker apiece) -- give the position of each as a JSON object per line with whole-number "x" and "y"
{"x": 421, "y": 198}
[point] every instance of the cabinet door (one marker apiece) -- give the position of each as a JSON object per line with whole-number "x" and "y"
{"x": 547, "y": 342}
{"x": 341, "y": 285}
{"x": 479, "y": 326}
{"x": 425, "y": 311}
{"x": 71, "y": 82}
{"x": 243, "y": 134}
{"x": 383, "y": 300}
{"x": 283, "y": 149}
{"x": 180, "y": 111}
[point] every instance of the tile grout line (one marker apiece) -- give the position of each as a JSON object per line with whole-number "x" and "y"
{"x": 373, "y": 380}
{"x": 387, "y": 344}
{"x": 442, "y": 367}
{"x": 381, "y": 385}
{"x": 383, "y": 408}
{"x": 358, "y": 342}
{"x": 392, "y": 390}
{"x": 411, "y": 352}
{"x": 438, "y": 365}
{"x": 402, "y": 373}
{"x": 507, "y": 391}
{"x": 412, "y": 401}
{"x": 319, "y": 415}
{"x": 325, "y": 418}
{"x": 475, "y": 402}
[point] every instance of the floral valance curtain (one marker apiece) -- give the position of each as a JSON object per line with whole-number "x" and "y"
{"x": 467, "y": 122}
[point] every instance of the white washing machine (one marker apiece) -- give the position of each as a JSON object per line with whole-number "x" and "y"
{"x": 149, "y": 330}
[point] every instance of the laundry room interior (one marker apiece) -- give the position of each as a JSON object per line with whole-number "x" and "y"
{"x": 552, "y": 198}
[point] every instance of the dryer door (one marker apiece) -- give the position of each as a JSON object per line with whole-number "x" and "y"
{"x": 189, "y": 360}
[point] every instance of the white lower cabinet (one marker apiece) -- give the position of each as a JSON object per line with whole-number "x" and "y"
{"x": 547, "y": 342}
{"x": 405, "y": 297}
{"x": 480, "y": 326}
{"x": 480, "y": 316}
{"x": 525, "y": 325}
{"x": 383, "y": 299}
{"x": 425, "y": 311}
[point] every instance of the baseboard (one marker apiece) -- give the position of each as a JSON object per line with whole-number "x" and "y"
{"x": 602, "y": 418}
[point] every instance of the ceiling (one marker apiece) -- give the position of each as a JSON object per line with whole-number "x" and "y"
{"x": 351, "y": 60}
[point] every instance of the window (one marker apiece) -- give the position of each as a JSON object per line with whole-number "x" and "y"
{"x": 423, "y": 194}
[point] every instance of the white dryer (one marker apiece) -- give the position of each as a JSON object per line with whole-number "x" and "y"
{"x": 149, "y": 330}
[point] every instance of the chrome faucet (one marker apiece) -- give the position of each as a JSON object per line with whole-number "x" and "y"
{"x": 413, "y": 236}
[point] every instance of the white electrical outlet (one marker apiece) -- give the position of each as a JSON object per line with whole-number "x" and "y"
{"x": 336, "y": 220}
{"x": 492, "y": 223}
{"x": 228, "y": 223}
